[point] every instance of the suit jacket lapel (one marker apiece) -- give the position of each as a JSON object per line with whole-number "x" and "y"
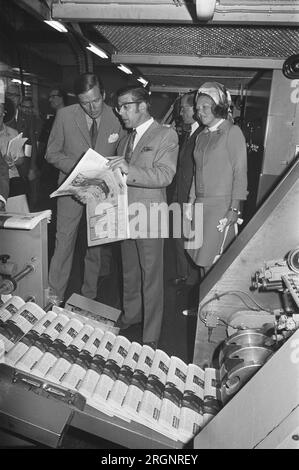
{"x": 81, "y": 122}
{"x": 146, "y": 137}
{"x": 105, "y": 123}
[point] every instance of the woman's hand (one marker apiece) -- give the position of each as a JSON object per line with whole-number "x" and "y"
{"x": 232, "y": 217}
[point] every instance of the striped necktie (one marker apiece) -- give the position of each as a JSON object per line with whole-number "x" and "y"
{"x": 130, "y": 145}
{"x": 93, "y": 133}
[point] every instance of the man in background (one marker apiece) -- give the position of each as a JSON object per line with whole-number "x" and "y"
{"x": 57, "y": 100}
{"x": 49, "y": 173}
{"x": 20, "y": 116}
{"x": 4, "y": 183}
{"x": 88, "y": 124}
{"x": 29, "y": 123}
{"x": 13, "y": 99}
{"x": 17, "y": 200}
{"x": 186, "y": 271}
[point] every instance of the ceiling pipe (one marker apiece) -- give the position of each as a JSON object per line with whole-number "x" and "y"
{"x": 205, "y": 9}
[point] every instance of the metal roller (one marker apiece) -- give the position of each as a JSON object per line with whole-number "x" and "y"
{"x": 237, "y": 378}
{"x": 245, "y": 354}
{"x": 243, "y": 338}
{"x": 249, "y": 336}
{"x": 293, "y": 260}
{"x": 238, "y": 366}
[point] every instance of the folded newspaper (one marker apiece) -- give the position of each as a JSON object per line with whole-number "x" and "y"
{"x": 15, "y": 147}
{"x": 25, "y": 221}
{"x": 105, "y": 194}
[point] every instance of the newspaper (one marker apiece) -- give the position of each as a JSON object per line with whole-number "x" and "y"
{"x": 41, "y": 344}
{"x": 21, "y": 347}
{"x": 15, "y": 149}
{"x": 26, "y": 221}
{"x": 20, "y": 323}
{"x": 105, "y": 193}
{"x": 124, "y": 379}
{"x": 69, "y": 354}
{"x": 151, "y": 401}
{"x": 10, "y": 307}
{"x": 212, "y": 394}
{"x": 109, "y": 375}
{"x": 169, "y": 417}
{"x": 104, "y": 346}
{"x": 132, "y": 400}
{"x": 191, "y": 416}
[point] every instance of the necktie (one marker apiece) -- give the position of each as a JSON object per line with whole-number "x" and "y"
{"x": 93, "y": 133}
{"x": 130, "y": 144}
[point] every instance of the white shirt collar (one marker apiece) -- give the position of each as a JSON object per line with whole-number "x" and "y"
{"x": 140, "y": 130}
{"x": 215, "y": 127}
{"x": 89, "y": 120}
{"x": 194, "y": 126}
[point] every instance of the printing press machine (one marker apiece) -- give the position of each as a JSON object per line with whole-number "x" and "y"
{"x": 261, "y": 406}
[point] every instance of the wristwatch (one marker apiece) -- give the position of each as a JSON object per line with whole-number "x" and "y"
{"x": 234, "y": 209}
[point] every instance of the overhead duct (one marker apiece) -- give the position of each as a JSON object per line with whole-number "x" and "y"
{"x": 290, "y": 67}
{"x": 205, "y": 9}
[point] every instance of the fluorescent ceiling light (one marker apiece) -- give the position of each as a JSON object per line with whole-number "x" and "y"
{"x": 96, "y": 50}
{"x": 143, "y": 81}
{"x": 125, "y": 69}
{"x": 16, "y": 80}
{"x": 56, "y": 25}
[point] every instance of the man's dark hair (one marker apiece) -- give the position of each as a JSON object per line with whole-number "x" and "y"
{"x": 138, "y": 93}
{"x": 190, "y": 97}
{"x": 63, "y": 94}
{"x": 85, "y": 82}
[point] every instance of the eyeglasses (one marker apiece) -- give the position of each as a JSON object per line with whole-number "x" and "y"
{"x": 96, "y": 101}
{"x": 125, "y": 106}
{"x": 53, "y": 96}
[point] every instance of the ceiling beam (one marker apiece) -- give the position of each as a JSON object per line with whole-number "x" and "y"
{"x": 198, "y": 61}
{"x": 181, "y": 89}
{"x": 133, "y": 12}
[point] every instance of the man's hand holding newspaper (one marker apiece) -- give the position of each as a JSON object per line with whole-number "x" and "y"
{"x": 104, "y": 191}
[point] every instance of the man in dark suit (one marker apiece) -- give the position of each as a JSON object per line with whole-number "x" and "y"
{"x": 148, "y": 156}
{"x": 90, "y": 123}
{"x": 186, "y": 272}
{"x": 48, "y": 173}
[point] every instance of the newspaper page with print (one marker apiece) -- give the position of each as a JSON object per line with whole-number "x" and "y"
{"x": 105, "y": 194}
{"x": 151, "y": 401}
{"x": 24, "y": 221}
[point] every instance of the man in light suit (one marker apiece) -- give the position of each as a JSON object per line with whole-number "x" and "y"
{"x": 150, "y": 164}
{"x": 74, "y": 129}
{"x": 186, "y": 271}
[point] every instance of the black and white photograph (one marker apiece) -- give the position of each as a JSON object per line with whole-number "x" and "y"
{"x": 149, "y": 228}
